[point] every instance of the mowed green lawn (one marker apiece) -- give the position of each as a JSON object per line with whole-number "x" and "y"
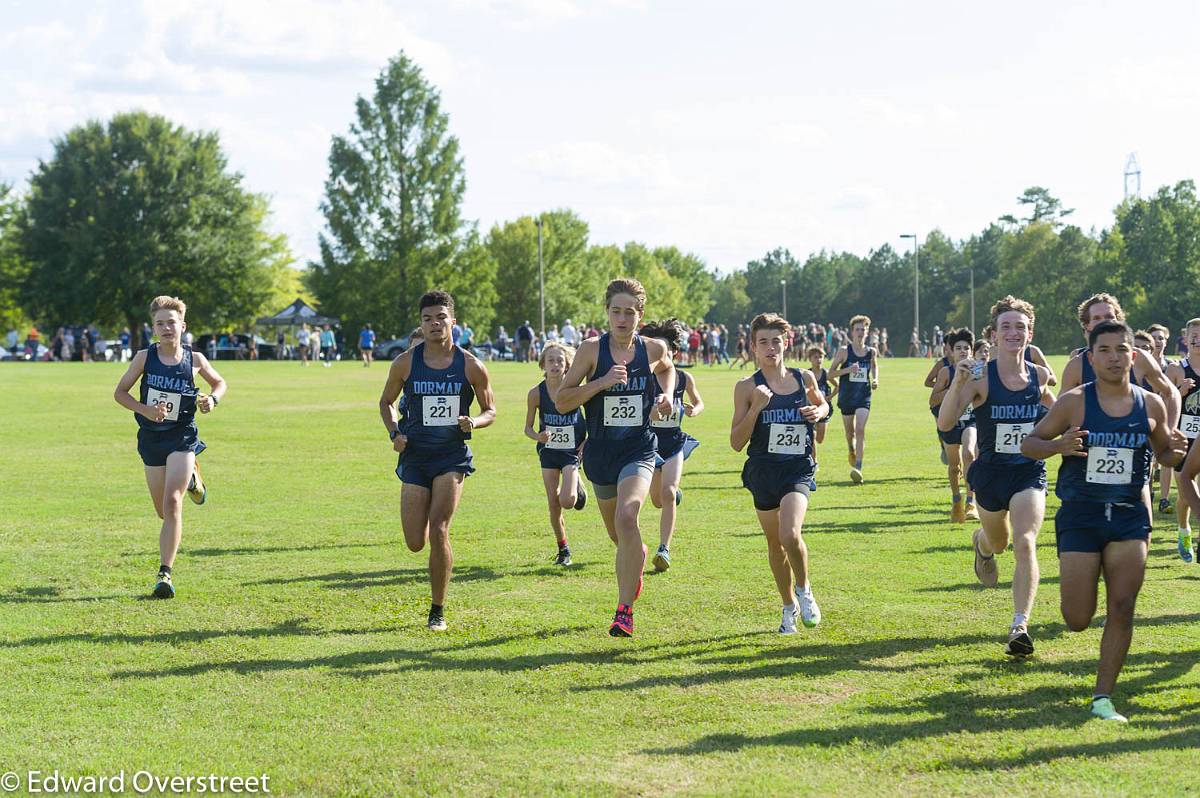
{"x": 297, "y": 648}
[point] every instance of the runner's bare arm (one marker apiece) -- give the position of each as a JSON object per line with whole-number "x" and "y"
{"x": 216, "y": 384}
{"x": 1072, "y": 374}
{"x": 1057, "y": 433}
{"x": 397, "y": 376}
{"x": 571, "y": 394}
{"x": 659, "y": 355}
{"x": 1039, "y": 359}
{"x": 940, "y": 386}
{"x": 1169, "y": 444}
{"x": 817, "y": 406}
{"x": 1158, "y": 382}
{"x": 963, "y": 391}
{"x": 748, "y": 400}
{"x": 531, "y": 407}
{"x": 932, "y": 376}
{"x": 477, "y": 375}
{"x": 126, "y": 383}
{"x": 696, "y": 406}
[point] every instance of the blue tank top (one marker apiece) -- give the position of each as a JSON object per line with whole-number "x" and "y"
{"x": 669, "y": 430}
{"x": 967, "y": 419}
{"x": 1007, "y": 417}
{"x": 823, "y": 382}
{"x": 781, "y": 435}
{"x": 622, "y": 412}
{"x": 855, "y": 391}
{"x": 171, "y": 386}
{"x": 567, "y": 430}
{"x": 1028, "y": 356}
{"x": 1117, "y": 466}
{"x": 433, "y": 400}
{"x": 1189, "y": 403}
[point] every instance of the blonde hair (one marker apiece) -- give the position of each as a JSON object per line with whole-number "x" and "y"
{"x": 860, "y": 317}
{"x": 165, "y": 302}
{"x": 1011, "y": 303}
{"x": 1096, "y": 299}
{"x": 568, "y": 354}
{"x": 626, "y": 285}
{"x": 769, "y": 321}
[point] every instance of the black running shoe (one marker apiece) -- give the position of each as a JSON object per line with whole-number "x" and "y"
{"x": 1020, "y": 644}
{"x": 564, "y": 556}
{"x": 437, "y": 621}
{"x": 581, "y": 499}
{"x": 163, "y": 588}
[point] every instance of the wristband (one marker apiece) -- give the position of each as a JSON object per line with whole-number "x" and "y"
{"x": 392, "y": 435}
{"x": 216, "y": 401}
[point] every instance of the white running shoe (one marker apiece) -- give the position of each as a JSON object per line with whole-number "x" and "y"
{"x": 810, "y": 613}
{"x": 787, "y": 624}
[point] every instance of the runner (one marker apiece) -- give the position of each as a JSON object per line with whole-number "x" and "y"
{"x": 944, "y": 362}
{"x": 774, "y": 411}
{"x": 560, "y": 438}
{"x": 366, "y": 345}
{"x": 167, "y": 439}
{"x": 673, "y": 444}
{"x": 816, "y": 359}
{"x": 1104, "y": 431}
{"x": 1185, "y": 375}
{"x": 982, "y": 350}
{"x": 857, "y": 368}
{"x": 1159, "y": 336}
{"x": 630, "y": 382}
{"x": 1009, "y": 397}
{"x": 435, "y": 383}
{"x": 959, "y": 443}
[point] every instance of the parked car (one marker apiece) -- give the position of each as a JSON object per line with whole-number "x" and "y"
{"x": 227, "y": 345}
{"x": 388, "y": 350}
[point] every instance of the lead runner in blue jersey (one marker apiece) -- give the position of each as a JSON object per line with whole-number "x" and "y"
{"x": 439, "y": 380}
{"x": 1104, "y": 431}
{"x": 774, "y": 411}
{"x": 856, "y": 367}
{"x": 168, "y": 440}
{"x": 628, "y": 382}
{"x": 1009, "y": 395}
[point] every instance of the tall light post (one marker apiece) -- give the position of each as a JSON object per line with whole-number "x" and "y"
{"x": 541, "y": 283}
{"x": 783, "y": 285}
{"x": 916, "y": 282}
{"x": 973, "y": 328}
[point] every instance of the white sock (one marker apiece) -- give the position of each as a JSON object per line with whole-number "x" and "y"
{"x": 807, "y": 590}
{"x": 790, "y": 607}
{"x": 1019, "y": 619}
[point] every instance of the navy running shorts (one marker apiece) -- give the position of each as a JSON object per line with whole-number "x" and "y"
{"x": 607, "y": 462}
{"x": 557, "y": 459}
{"x": 769, "y": 482}
{"x": 670, "y": 447}
{"x": 954, "y": 436}
{"x": 420, "y": 467}
{"x": 850, "y": 409}
{"x": 155, "y": 446}
{"x": 1090, "y": 526}
{"x": 995, "y": 485}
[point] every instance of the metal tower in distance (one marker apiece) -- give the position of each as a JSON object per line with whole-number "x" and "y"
{"x": 1133, "y": 177}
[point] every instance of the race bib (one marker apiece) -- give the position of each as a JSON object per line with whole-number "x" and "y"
{"x": 1009, "y": 437}
{"x": 670, "y": 421}
{"x": 561, "y": 438}
{"x": 170, "y": 401}
{"x": 966, "y": 416}
{"x": 1189, "y": 425}
{"x": 439, "y": 411}
{"x": 623, "y": 411}
{"x": 862, "y": 375}
{"x": 1110, "y": 466}
{"x": 788, "y": 439}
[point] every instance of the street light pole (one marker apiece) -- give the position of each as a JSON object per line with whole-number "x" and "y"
{"x": 783, "y": 285}
{"x": 541, "y": 283}
{"x": 973, "y": 329}
{"x": 916, "y": 282}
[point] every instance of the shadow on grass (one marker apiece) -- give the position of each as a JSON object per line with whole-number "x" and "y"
{"x": 49, "y": 595}
{"x": 975, "y": 711}
{"x": 1045, "y": 580}
{"x": 240, "y": 550}
{"x": 358, "y": 580}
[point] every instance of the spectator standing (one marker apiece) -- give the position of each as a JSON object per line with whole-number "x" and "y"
{"x": 280, "y": 345}
{"x": 570, "y": 335}
{"x": 467, "y": 339}
{"x": 68, "y": 344}
{"x": 212, "y": 347}
{"x": 328, "y": 345}
{"x": 145, "y": 342}
{"x": 314, "y": 343}
{"x": 552, "y": 336}
{"x": 366, "y": 345}
{"x": 456, "y": 333}
{"x": 501, "y": 342}
{"x": 11, "y": 340}
{"x": 302, "y": 344}
{"x": 524, "y": 341}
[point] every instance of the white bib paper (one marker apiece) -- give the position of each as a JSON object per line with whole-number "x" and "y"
{"x": 439, "y": 411}
{"x": 671, "y": 420}
{"x": 1009, "y": 437}
{"x": 1189, "y": 425}
{"x": 561, "y": 438}
{"x": 788, "y": 439}
{"x": 861, "y": 375}
{"x": 1110, "y": 466}
{"x": 171, "y": 401}
{"x": 623, "y": 411}
{"x": 966, "y": 416}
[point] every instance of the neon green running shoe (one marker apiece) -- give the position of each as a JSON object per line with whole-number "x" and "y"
{"x": 1185, "y": 545}
{"x": 1103, "y": 708}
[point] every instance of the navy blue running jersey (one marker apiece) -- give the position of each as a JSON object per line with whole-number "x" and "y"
{"x": 1007, "y": 417}
{"x": 1118, "y": 454}
{"x": 622, "y": 412}
{"x": 780, "y": 432}
{"x": 567, "y": 430}
{"x": 433, "y": 399}
{"x": 855, "y": 389}
{"x": 174, "y": 387}
{"x": 1189, "y": 401}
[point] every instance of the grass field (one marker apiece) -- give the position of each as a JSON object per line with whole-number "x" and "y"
{"x": 297, "y": 648}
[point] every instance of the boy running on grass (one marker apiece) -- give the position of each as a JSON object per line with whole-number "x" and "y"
{"x": 439, "y": 381}
{"x": 167, "y": 439}
{"x": 774, "y": 411}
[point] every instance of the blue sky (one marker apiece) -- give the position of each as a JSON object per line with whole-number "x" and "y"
{"x": 725, "y": 129}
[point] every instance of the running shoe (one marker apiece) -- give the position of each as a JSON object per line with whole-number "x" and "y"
{"x": 787, "y": 624}
{"x": 662, "y": 559}
{"x": 856, "y": 475}
{"x": 678, "y": 497}
{"x": 958, "y": 513}
{"x": 437, "y": 621}
{"x": 1185, "y": 545}
{"x": 972, "y": 512}
{"x": 564, "y": 556}
{"x": 641, "y": 578}
{"x": 1020, "y": 644}
{"x": 581, "y": 498}
{"x": 1164, "y": 505}
{"x": 810, "y": 613}
{"x": 852, "y": 458}
{"x": 196, "y": 489}
{"x": 1103, "y": 708}
{"x": 163, "y": 588}
{"x": 986, "y": 570}
{"x": 945, "y": 460}
{"x": 622, "y": 625}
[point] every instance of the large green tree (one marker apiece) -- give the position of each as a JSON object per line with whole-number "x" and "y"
{"x": 13, "y": 267}
{"x": 391, "y": 206}
{"x": 137, "y": 207}
{"x": 573, "y": 290}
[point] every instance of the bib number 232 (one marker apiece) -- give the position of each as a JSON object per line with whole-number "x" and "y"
{"x": 623, "y": 411}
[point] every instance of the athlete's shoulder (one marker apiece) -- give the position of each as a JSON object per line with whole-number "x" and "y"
{"x": 744, "y": 384}
{"x": 1042, "y": 372}
{"x": 655, "y": 349}
{"x": 473, "y": 365}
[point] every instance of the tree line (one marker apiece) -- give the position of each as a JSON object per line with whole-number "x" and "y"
{"x": 139, "y": 206}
